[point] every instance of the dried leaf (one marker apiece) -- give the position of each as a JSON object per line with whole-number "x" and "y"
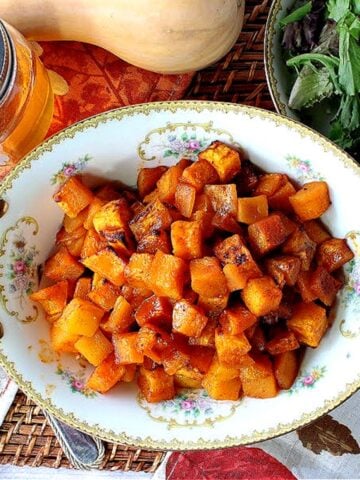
{"x": 327, "y": 434}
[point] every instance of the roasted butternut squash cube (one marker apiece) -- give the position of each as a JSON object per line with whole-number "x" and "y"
{"x": 82, "y": 288}
{"x": 284, "y": 269}
{"x": 284, "y": 341}
{"x": 104, "y": 295}
{"x": 72, "y": 241}
{"x": 107, "y": 264}
{"x": 231, "y": 348}
{"x": 120, "y": 318}
{"x": 261, "y": 295}
{"x": 95, "y": 349}
{"x": 188, "y": 319}
{"x": 147, "y": 179}
{"x": 201, "y": 357}
{"x": 63, "y": 266}
{"x": 72, "y": 224}
{"x": 158, "y": 240}
{"x": 324, "y": 285}
{"x": 108, "y": 192}
{"x": 135, "y": 296}
{"x": 213, "y": 305}
{"x": 126, "y": 349}
{"x": 106, "y": 375}
{"x": 73, "y": 197}
{"x": 300, "y": 245}
{"x": 188, "y": 377}
{"x": 199, "y": 174}
{"x": 82, "y": 317}
{"x": 223, "y": 198}
{"x": 137, "y": 270}
{"x": 94, "y": 207}
{"x": 53, "y": 318}
{"x": 119, "y": 240}
{"x": 334, "y": 253}
{"x": 154, "y": 309}
{"x": 289, "y": 225}
{"x": 267, "y": 234}
{"x": 309, "y": 323}
{"x": 270, "y": 183}
{"x": 219, "y": 390}
{"x": 153, "y": 341}
{"x": 207, "y": 337}
{"x": 186, "y": 239}
{"x": 93, "y": 243}
{"x": 167, "y": 275}
{"x": 167, "y": 183}
{"x": 207, "y": 277}
{"x": 155, "y": 216}
{"x": 280, "y": 199}
{"x": 258, "y": 379}
{"x": 204, "y": 213}
{"x": 256, "y": 337}
{"x": 286, "y": 367}
{"x": 155, "y": 385}
{"x": 114, "y": 215}
{"x": 52, "y": 299}
{"x": 247, "y": 179}
{"x": 232, "y": 250}
{"x": 174, "y": 358}
{"x": 316, "y": 231}
{"x": 311, "y": 201}
{"x": 222, "y": 372}
{"x": 226, "y": 222}
{"x": 185, "y": 196}
{"x": 235, "y": 320}
{"x": 60, "y": 339}
{"x": 303, "y": 285}
{"x": 130, "y": 372}
{"x": 252, "y": 209}
{"x": 225, "y": 160}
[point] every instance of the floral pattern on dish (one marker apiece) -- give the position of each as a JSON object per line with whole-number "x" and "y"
{"x": 308, "y": 379}
{"x": 303, "y": 169}
{"x": 76, "y": 382}
{"x": 69, "y": 170}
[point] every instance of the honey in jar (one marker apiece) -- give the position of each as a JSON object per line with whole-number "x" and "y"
{"x": 26, "y": 97}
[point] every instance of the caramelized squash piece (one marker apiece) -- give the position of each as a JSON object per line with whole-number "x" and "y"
{"x": 73, "y": 197}
{"x": 82, "y": 317}
{"x": 156, "y": 385}
{"x": 60, "y": 339}
{"x": 316, "y": 231}
{"x": 204, "y": 213}
{"x": 93, "y": 243}
{"x": 82, "y": 288}
{"x": 120, "y": 317}
{"x": 95, "y": 205}
{"x": 223, "y": 198}
{"x": 126, "y": 350}
{"x": 304, "y": 286}
{"x": 147, "y": 179}
{"x": 284, "y": 341}
{"x": 167, "y": 275}
{"x": 106, "y": 375}
{"x": 225, "y": 160}
{"x": 300, "y": 245}
{"x": 311, "y": 201}
{"x": 137, "y": 270}
{"x": 236, "y": 320}
{"x": 153, "y": 217}
{"x": 72, "y": 241}
{"x": 185, "y": 196}
{"x": 207, "y": 337}
{"x": 52, "y": 299}
{"x": 252, "y": 209}
{"x": 104, "y": 295}
{"x": 95, "y": 349}
{"x": 261, "y": 295}
{"x": 222, "y": 382}
{"x": 334, "y": 253}
{"x": 286, "y": 367}
{"x": 284, "y": 269}
{"x": 267, "y": 234}
{"x": 188, "y": 319}
{"x": 199, "y": 174}
{"x": 63, "y": 266}
{"x": 309, "y": 323}
{"x": 167, "y": 183}
{"x": 158, "y": 240}
{"x": 269, "y": 183}
{"x": 231, "y": 348}
{"x": 280, "y": 199}
{"x": 72, "y": 224}
{"x": 324, "y": 285}
{"x": 186, "y": 239}
{"x": 258, "y": 379}
{"x": 207, "y": 277}
{"x": 157, "y": 310}
{"x": 107, "y": 264}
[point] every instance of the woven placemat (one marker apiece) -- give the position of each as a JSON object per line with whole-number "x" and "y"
{"x": 25, "y": 436}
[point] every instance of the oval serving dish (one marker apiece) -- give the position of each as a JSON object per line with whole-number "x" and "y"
{"x": 112, "y": 146}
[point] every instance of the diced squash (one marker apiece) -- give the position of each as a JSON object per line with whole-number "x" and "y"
{"x": 130, "y": 372}
{"x": 219, "y": 390}
{"x": 224, "y": 159}
{"x": 258, "y": 379}
{"x": 147, "y": 178}
{"x": 311, "y": 201}
{"x": 107, "y": 264}
{"x": 280, "y": 199}
{"x": 219, "y": 371}
{"x": 284, "y": 341}
{"x": 82, "y": 288}
{"x": 227, "y": 222}
{"x": 155, "y": 385}
{"x": 72, "y": 224}
{"x": 270, "y": 183}
{"x": 267, "y": 234}
{"x": 95, "y": 205}
{"x": 73, "y": 197}
{"x": 126, "y": 349}
{"x": 236, "y": 320}
{"x": 93, "y": 243}
{"x": 153, "y": 217}
{"x": 201, "y": 357}
{"x": 309, "y": 323}
{"x": 72, "y": 241}
{"x": 158, "y": 240}
{"x": 334, "y": 253}
{"x": 289, "y": 225}
{"x": 153, "y": 341}
{"x": 252, "y": 209}
{"x": 53, "y": 318}
{"x": 63, "y": 266}
{"x": 174, "y": 358}
{"x": 301, "y": 246}
{"x": 186, "y": 239}
{"x": 188, "y": 319}
{"x": 82, "y": 317}
{"x": 119, "y": 240}
{"x": 104, "y": 295}
{"x": 324, "y": 285}
{"x": 207, "y": 277}
{"x": 188, "y": 377}
{"x": 199, "y": 174}
{"x": 204, "y": 213}
{"x": 304, "y": 286}
{"x": 120, "y": 318}
{"x": 316, "y": 231}
{"x": 223, "y": 198}
{"x": 167, "y": 183}
{"x": 256, "y": 338}
{"x": 284, "y": 269}
{"x": 261, "y": 295}
{"x": 154, "y": 309}
{"x": 106, "y": 375}
{"x": 207, "y": 337}
{"x": 213, "y": 305}
{"x": 95, "y": 349}
{"x": 247, "y": 179}
{"x": 61, "y": 340}
{"x": 286, "y": 367}
{"x": 108, "y": 192}
{"x": 167, "y": 275}
{"x": 185, "y": 196}
{"x": 114, "y": 215}
{"x": 135, "y": 296}
{"x": 52, "y": 299}
{"x": 137, "y": 270}
{"x": 231, "y": 348}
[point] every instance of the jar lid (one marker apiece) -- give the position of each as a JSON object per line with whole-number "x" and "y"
{"x": 6, "y": 60}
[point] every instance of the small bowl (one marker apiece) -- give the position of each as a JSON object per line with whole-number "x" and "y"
{"x": 113, "y": 146}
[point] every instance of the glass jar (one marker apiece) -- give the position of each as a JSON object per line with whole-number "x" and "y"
{"x": 26, "y": 97}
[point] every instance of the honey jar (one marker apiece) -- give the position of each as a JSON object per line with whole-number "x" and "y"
{"x": 26, "y": 97}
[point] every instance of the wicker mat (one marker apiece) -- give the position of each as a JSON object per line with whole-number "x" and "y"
{"x": 25, "y": 436}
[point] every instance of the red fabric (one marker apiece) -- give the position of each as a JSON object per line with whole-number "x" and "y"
{"x": 240, "y": 463}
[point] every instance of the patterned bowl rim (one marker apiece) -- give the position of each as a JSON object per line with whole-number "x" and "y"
{"x": 173, "y": 107}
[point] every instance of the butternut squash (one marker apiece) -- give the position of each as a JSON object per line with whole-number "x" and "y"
{"x": 158, "y": 35}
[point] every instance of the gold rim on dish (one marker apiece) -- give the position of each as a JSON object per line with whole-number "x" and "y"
{"x": 172, "y": 107}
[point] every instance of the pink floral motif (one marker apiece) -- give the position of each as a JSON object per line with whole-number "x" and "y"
{"x": 22, "y": 271}
{"x": 69, "y": 169}
{"x": 187, "y": 404}
{"x": 20, "y": 267}
{"x": 76, "y": 382}
{"x": 308, "y": 379}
